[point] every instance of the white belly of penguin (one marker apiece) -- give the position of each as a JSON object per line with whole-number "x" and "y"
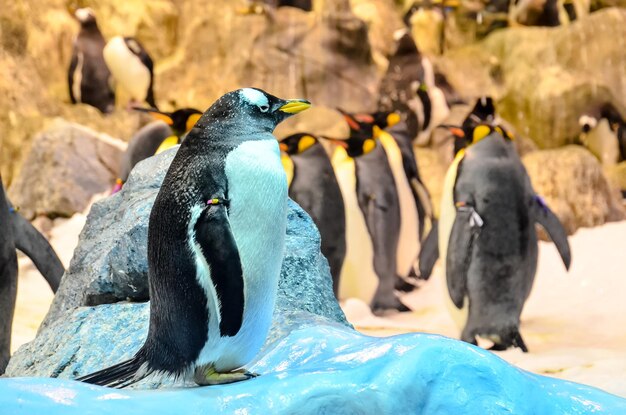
{"x": 358, "y": 278}
{"x": 127, "y": 68}
{"x": 446, "y": 220}
{"x": 408, "y": 243}
{"x": 257, "y": 191}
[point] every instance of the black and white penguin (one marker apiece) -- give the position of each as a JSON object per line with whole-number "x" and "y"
{"x": 166, "y": 131}
{"x": 131, "y": 67}
{"x": 603, "y": 132}
{"x": 313, "y": 185}
{"x": 488, "y": 240}
{"x": 216, "y": 238}
{"x": 89, "y": 78}
{"x": 373, "y": 217}
{"x": 18, "y": 233}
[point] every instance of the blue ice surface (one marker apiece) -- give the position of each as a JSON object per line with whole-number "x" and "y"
{"x": 330, "y": 369}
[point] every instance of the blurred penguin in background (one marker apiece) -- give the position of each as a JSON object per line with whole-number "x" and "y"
{"x": 132, "y": 68}
{"x": 373, "y": 215}
{"x": 603, "y": 132}
{"x": 313, "y": 185}
{"x": 89, "y": 78}
{"x": 168, "y": 130}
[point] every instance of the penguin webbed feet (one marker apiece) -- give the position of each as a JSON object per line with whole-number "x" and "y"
{"x": 207, "y": 375}
{"x": 384, "y": 304}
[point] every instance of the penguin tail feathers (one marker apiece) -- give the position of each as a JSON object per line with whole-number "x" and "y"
{"x": 119, "y": 375}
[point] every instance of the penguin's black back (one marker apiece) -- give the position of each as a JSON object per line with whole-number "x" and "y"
{"x": 378, "y": 199}
{"x": 142, "y": 145}
{"x": 314, "y": 187}
{"x": 8, "y": 280}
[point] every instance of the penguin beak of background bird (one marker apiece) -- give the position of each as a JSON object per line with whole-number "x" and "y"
{"x": 336, "y": 141}
{"x": 456, "y": 131}
{"x": 294, "y": 106}
{"x": 283, "y": 147}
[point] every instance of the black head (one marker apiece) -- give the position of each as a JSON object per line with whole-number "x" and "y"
{"x": 86, "y": 17}
{"x": 297, "y": 143}
{"x": 368, "y": 125}
{"x": 613, "y": 116}
{"x": 250, "y": 110}
{"x": 181, "y": 121}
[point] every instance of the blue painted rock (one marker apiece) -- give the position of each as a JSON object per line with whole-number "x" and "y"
{"x": 318, "y": 366}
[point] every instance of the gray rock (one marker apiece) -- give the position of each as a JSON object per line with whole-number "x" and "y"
{"x": 66, "y": 166}
{"x": 109, "y": 264}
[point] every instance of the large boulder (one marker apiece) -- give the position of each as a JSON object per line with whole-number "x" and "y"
{"x": 67, "y": 165}
{"x": 110, "y": 265}
{"x": 542, "y": 86}
{"x": 573, "y": 184}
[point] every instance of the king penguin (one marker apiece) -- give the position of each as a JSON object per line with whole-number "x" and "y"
{"x": 89, "y": 78}
{"x": 487, "y": 238}
{"x": 166, "y": 131}
{"x": 131, "y": 67}
{"x": 373, "y": 220}
{"x": 18, "y": 233}
{"x": 216, "y": 237}
{"x": 313, "y": 185}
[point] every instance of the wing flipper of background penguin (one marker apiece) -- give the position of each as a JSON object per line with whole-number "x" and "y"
{"x": 460, "y": 246}
{"x": 70, "y": 75}
{"x": 429, "y": 252}
{"x": 219, "y": 248}
{"x": 36, "y": 247}
{"x": 551, "y": 223}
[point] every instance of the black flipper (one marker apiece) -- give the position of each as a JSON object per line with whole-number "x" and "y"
{"x": 549, "y": 221}
{"x": 36, "y": 247}
{"x": 429, "y": 252}
{"x": 70, "y": 75}
{"x": 120, "y": 375}
{"x": 219, "y": 248}
{"x": 465, "y": 229}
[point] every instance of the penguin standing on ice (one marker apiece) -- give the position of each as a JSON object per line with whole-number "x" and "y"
{"x": 89, "y": 78}
{"x": 131, "y": 67}
{"x": 216, "y": 237}
{"x": 488, "y": 240}
{"x": 166, "y": 132}
{"x": 18, "y": 233}
{"x": 313, "y": 185}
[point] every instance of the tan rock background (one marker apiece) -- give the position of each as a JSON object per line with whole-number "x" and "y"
{"x": 541, "y": 78}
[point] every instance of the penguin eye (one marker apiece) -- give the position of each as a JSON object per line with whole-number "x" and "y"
{"x": 264, "y": 108}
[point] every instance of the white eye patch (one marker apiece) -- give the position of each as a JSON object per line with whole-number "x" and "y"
{"x": 254, "y": 97}
{"x": 587, "y": 120}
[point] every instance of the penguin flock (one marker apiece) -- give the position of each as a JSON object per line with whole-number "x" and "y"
{"x": 222, "y": 207}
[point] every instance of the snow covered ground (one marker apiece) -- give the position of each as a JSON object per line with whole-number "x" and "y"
{"x": 574, "y": 323}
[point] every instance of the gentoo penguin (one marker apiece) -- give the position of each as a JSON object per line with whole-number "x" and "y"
{"x": 216, "y": 237}
{"x": 313, "y": 185}
{"x": 131, "y": 67}
{"x": 603, "y": 132}
{"x": 19, "y": 234}
{"x": 488, "y": 240}
{"x": 167, "y": 131}
{"x": 88, "y": 77}
{"x": 373, "y": 220}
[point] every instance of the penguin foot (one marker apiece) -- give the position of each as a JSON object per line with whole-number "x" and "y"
{"x": 384, "y": 307}
{"x": 207, "y": 375}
